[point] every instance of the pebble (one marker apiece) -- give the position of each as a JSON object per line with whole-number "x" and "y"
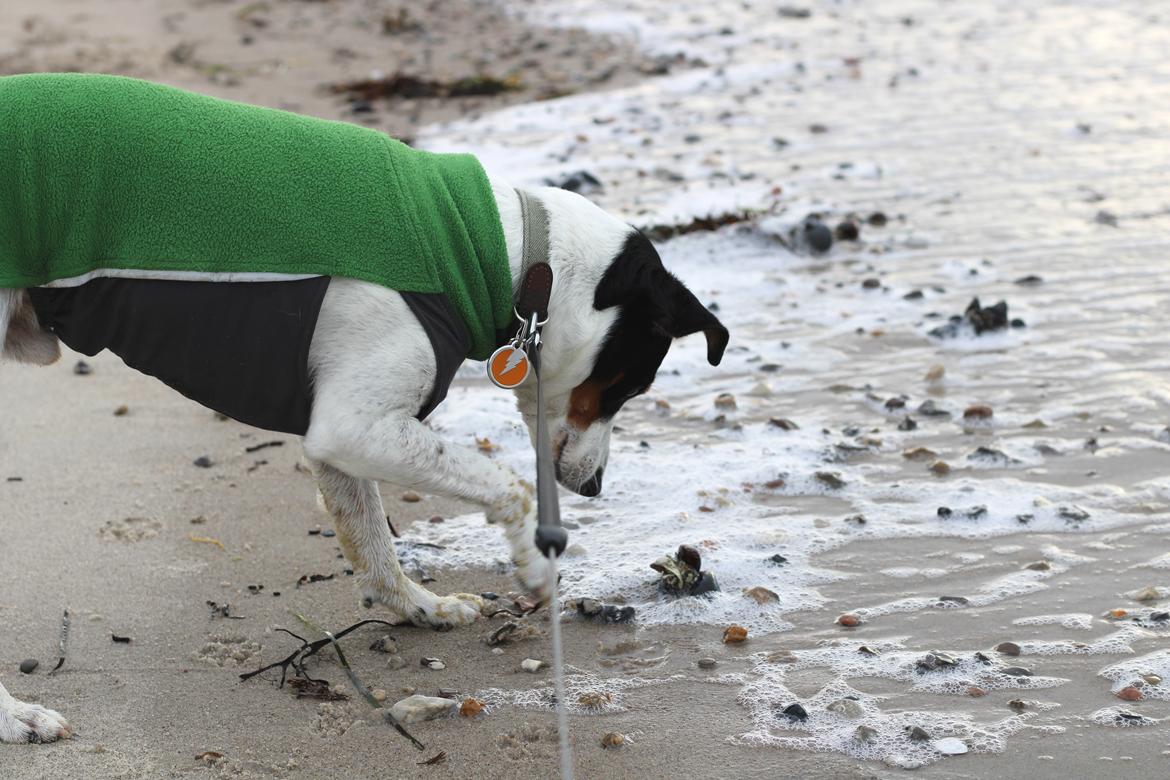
{"x": 877, "y": 219}
{"x": 396, "y": 662}
{"x": 379, "y": 694}
{"x": 1016, "y": 671}
{"x": 81, "y": 368}
{"x": 950, "y": 746}
{"x": 871, "y": 283}
{"x": 410, "y": 497}
{"x": 434, "y": 664}
{"x": 940, "y": 468}
{"x": 531, "y": 665}
{"x": 384, "y": 644}
{"x": 122, "y": 411}
{"x": 865, "y": 734}
{"x": 416, "y": 709}
{"x": 1148, "y": 593}
{"x": 471, "y": 707}
{"x": 795, "y": 712}
{"x": 848, "y": 229}
{"x": 783, "y": 424}
{"x": 1039, "y": 566}
{"x": 917, "y": 733}
{"x": 908, "y": 424}
{"x": 830, "y": 479}
{"x": 935, "y": 373}
{"x": 849, "y": 620}
{"x": 818, "y": 235}
{"x": 976, "y": 692}
{"x": 725, "y": 402}
{"x": 919, "y": 453}
{"x": 29, "y": 665}
{"x": 734, "y": 635}
{"x": 1152, "y": 679}
{"x": 707, "y": 663}
{"x": 978, "y": 412}
{"x": 1008, "y": 648}
{"x": 1019, "y": 705}
{"x": 613, "y": 740}
{"x": 329, "y": 533}
{"x": 1130, "y": 693}
{"x": 929, "y": 408}
{"x": 761, "y": 594}
{"x": 204, "y": 462}
{"x": 846, "y": 708}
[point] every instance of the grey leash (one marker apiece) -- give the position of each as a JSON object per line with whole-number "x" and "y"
{"x": 508, "y": 367}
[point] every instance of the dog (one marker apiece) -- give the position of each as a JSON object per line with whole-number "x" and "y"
{"x": 612, "y": 315}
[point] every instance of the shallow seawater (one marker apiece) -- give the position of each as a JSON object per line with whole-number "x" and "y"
{"x": 1001, "y": 141}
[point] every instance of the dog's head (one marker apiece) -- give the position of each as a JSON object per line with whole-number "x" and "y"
{"x": 614, "y": 312}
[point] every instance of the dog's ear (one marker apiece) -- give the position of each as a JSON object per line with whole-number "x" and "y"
{"x": 636, "y": 278}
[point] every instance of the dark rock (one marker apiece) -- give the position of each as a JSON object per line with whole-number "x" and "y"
{"x": 689, "y": 555}
{"x": 1016, "y": 671}
{"x": 204, "y": 462}
{"x": 783, "y": 423}
{"x": 614, "y": 614}
{"x": 1072, "y": 513}
{"x": 848, "y": 229}
{"x": 1008, "y": 648}
{"x": 908, "y": 424}
{"x": 81, "y": 368}
{"x": 981, "y": 319}
{"x": 992, "y": 455}
{"x": 960, "y": 600}
{"x": 1029, "y": 281}
{"x": 871, "y": 283}
{"x": 1106, "y": 218}
{"x": 329, "y": 533}
{"x": 29, "y": 665}
{"x": 580, "y": 182}
{"x": 793, "y": 12}
{"x": 914, "y": 295}
{"x": 488, "y": 595}
{"x": 877, "y": 219}
{"x": 818, "y": 235}
{"x": 795, "y": 712}
{"x": 778, "y": 559}
{"x": 830, "y": 479}
{"x": 928, "y": 408}
{"x": 894, "y": 403}
{"x": 917, "y": 733}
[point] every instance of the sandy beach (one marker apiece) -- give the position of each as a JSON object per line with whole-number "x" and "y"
{"x": 989, "y": 508}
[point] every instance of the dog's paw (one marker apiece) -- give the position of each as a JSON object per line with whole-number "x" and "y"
{"x": 446, "y": 612}
{"x": 533, "y": 571}
{"x": 20, "y": 722}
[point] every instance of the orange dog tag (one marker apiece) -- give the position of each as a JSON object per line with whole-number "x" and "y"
{"x": 508, "y": 367}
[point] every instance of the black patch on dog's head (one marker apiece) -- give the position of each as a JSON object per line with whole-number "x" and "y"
{"x": 654, "y": 309}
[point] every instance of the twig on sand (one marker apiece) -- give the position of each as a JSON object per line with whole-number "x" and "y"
{"x": 307, "y": 649}
{"x": 62, "y": 642}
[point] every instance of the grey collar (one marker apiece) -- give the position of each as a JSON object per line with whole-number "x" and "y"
{"x": 535, "y": 283}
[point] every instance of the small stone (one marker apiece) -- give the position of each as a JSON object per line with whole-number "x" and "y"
{"x": 29, "y": 665}
{"x": 662, "y": 407}
{"x": 1148, "y": 593}
{"x": 1019, "y": 705}
{"x": 384, "y": 644}
{"x": 531, "y": 665}
{"x": 81, "y": 368}
{"x": 919, "y": 453}
{"x": 734, "y": 635}
{"x": 940, "y": 468}
{"x": 434, "y": 664}
{"x": 1130, "y": 693}
{"x": 778, "y": 559}
{"x": 978, "y": 412}
{"x": 795, "y": 712}
{"x": 865, "y": 734}
{"x": 783, "y": 424}
{"x": 707, "y": 663}
{"x": 830, "y": 479}
{"x": 877, "y": 219}
{"x": 396, "y": 662}
{"x": 1039, "y": 566}
{"x": 613, "y": 740}
{"x": 871, "y": 283}
{"x": 950, "y": 746}
{"x": 817, "y": 234}
{"x": 204, "y": 462}
{"x": 929, "y": 408}
{"x": 410, "y": 497}
{"x": 1073, "y": 513}
{"x": 416, "y": 709}
{"x": 976, "y": 692}
{"x": 935, "y": 373}
{"x": 122, "y": 411}
{"x": 761, "y": 595}
{"x": 846, "y": 708}
{"x": 589, "y": 607}
{"x": 329, "y": 533}
{"x": 1008, "y": 648}
{"x": 849, "y": 620}
{"x": 725, "y": 402}
{"x": 917, "y": 733}
{"x": 908, "y": 424}
{"x": 1152, "y": 679}
{"x": 1016, "y": 671}
{"x": 1029, "y": 281}
{"x": 848, "y": 229}
{"x": 379, "y": 694}
{"x": 960, "y": 600}
{"x": 470, "y": 708}
{"x": 867, "y": 650}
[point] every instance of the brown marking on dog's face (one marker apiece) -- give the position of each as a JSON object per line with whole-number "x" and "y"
{"x": 585, "y": 402}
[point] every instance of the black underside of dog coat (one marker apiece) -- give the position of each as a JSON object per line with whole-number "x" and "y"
{"x": 240, "y": 348}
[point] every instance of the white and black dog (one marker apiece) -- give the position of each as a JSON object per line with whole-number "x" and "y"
{"x": 613, "y": 312}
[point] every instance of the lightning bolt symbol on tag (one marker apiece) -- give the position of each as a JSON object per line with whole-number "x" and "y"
{"x": 515, "y": 359}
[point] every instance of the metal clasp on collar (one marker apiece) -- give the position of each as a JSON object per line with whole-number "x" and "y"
{"x": 510, "y": 365}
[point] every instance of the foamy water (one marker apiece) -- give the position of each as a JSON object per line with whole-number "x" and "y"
{"x": 991, "y": 135}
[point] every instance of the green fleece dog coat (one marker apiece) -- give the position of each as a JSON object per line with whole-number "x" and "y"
{"x": 108, "y": 174}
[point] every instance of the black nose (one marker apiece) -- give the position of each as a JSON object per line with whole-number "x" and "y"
{"x": 593, "y": 486}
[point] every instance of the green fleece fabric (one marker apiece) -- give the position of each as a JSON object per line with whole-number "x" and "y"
{"x": 102, "y": 172}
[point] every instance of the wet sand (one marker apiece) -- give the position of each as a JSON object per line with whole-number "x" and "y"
{"x": 991, "y": 135}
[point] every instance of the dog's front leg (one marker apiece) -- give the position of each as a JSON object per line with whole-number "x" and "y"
{"x": 356, "y": 508}
{"x": 20, "y": 722}
{"x": 406, "y": 452}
